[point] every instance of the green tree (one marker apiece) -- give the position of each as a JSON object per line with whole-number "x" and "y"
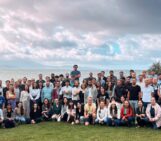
{"x": 156, "y": 67}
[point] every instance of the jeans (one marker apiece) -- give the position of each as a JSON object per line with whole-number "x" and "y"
{"x": 128, "y": 121}
{"x": 134, "y": 104}
{"x": 98, "y": 121}
{"x": 113, "y": 122}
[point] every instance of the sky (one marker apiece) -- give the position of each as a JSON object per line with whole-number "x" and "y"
{"x": 103, "y": 34}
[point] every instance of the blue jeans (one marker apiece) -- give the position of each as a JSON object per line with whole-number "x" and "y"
{"x": 113, "y": 122}
{"x": 128, "y": 122}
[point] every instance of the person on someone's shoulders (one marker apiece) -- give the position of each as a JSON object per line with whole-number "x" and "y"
{"x": 40, "y": 79}
{"x": 75, "y": 74}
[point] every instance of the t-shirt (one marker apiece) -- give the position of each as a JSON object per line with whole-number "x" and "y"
{"x": 90, "y": 109}
{"x": 134, "y": 92}
{"x": 74, "y": 73}
{"x": 147, "y": 91}
{"x": 103, "y": 96}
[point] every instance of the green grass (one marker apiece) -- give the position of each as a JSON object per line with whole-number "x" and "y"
{"x": 51, "y": 131}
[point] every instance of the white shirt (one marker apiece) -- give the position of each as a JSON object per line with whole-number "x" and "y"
{"x": 74, "y": 91}
{"x": 147, "y": 91}
{"x": 66, "y": 89}
{"x": 35, "y": 94}
{"x": 24, "y": 96}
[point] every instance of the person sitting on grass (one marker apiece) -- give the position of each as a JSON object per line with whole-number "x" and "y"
{"x": 46, "y": 110}
{"x": 113, "y": 115}
{"x": 89, "y": 111}
{"x": 153, "y": 113}
{"x": 35, "y": 114}
{"x": 101, "y": 113}
{"x": 9, "y": 117}
{"x": 71, "y": 112}
{"x": 127, "y": 114}
{"x": 64, "y": 109}
{"x": 79, "y": 113}
{"x": 56, "y": 111}
{"x": 1, "y": 117}
{"x": 141, "y": 115}
{"x": 19, "y": 113}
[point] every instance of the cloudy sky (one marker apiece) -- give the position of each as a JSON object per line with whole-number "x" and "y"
{"x": 111, "y": 34}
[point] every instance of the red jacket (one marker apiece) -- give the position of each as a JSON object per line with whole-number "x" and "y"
{"x": 128, "y": 114}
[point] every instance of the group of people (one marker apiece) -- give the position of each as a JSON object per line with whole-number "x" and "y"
{"x": 132, "y": 100}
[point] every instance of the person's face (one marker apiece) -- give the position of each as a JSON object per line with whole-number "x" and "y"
{"x": 19, "y": 104}
{"x": 11, "y": 87}
{"x": 133, "y": 74}
{"x": 126, "y": 104}
{"x": 35, "y": 106}
{"x": 56, "y": 101}
{"x": 71, "y": 103}
{"x": 46, "y": 101}
{"x": 40, "y": 76}
{"x": 8, "y": 106}
{"x": 140, "y": 104}
{"x": 90, "y": 101}
{"x": 102, "y": 90}
{"x": 118, "y": 82}
{"x": 122, "y": 99}
{"x": 99, "y": 75}
{"x": 52, "y": 75}
{"x": 67, "y": 83}
{"x": 90, "y": 83}
{"x": 155, "y": 81}
{"x": 75, "y": 67}
{"x": 35, "y": 85}
{"x": 24, "y": 80}
{"x": 153, "y": 101}
{"x": 93, "y": 81}
{"x": 26, "y": 87}
{"x": 57, "y": 84}
{"x": 91, "y": 74}
{"x": 134, "y": 81}
{"x": 7, "y": 83}
{"x": 102, "y": 74}
{"x": 140, "y": 77}
{"x": 78, "y": 105}
{"x": 147, "y": 82}
{"x": 65, "y": 100}
{"x": 111, "y": 73}
{"x": 102, "y": 104}
{"x": 76, "y": 83}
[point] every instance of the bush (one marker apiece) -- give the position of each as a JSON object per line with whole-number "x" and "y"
{"x": 156, "y": 67}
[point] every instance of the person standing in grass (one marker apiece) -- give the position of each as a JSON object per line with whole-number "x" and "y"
{"x": 127, "y": 114}
{"x": 25, "y": 99}
{"x": 101, "y": 113}
{"x": 75, "y": 92}
{"x": 47, "y": 92}
{"x": 11, "y": 96}
{"x": 56, "y": 111}
{"x": 90, "y": 112}
{"x": 153, "y": 113}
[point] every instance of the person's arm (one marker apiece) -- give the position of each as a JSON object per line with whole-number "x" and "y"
{"x": 31, "y": 97}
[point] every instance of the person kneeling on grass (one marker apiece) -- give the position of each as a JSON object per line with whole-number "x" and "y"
{"x": 56, "y": 111}
{"x": 140, "y": 114}
{"x": 127, "y": 114}
{"x": 153, "y": 113}
{"x": 35, "y": 114}
{"x": 71, "y": 112}
{"x": 113, "y": 115}
{"x": 19, "y": 113}
{"x": 90, "y": 112}
{"x": 101, "y": 113}
{"x": 79, "y": 113}
{"x": 46, "y": 110}
{"x": 64, "y": 109}
{"x": 9, "y": 117}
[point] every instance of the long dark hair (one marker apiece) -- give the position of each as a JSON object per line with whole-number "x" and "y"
{"x": 115, "y": 109}
{"x": 21, "y": 108}
{"x": 71, "y": 106}
{"x": 48, "y": 105}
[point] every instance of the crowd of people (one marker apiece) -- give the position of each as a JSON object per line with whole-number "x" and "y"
{"x": 132, "y": 100}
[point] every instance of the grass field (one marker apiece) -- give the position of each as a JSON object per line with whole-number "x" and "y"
{"x": 52, "y": 131}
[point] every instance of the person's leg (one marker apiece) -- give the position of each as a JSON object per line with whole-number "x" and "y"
{"x": 117, "y": 122}
{"x": 109, "y": 122}
{"x": 130, "y": 121}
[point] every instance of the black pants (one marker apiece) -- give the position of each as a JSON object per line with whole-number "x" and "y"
{"x": 9, "y": 123}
